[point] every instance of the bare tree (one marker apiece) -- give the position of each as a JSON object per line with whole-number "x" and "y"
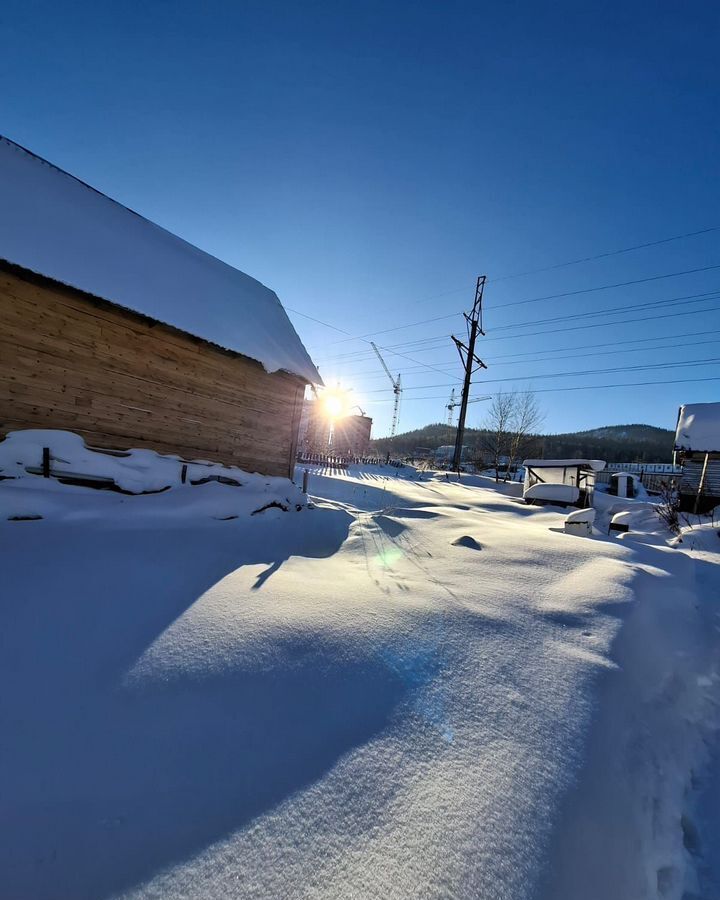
{"x": 526, "y": 419}
{"x": 498, "y": 427}
{"x": 511, "y": 429}
{"x": 669, "y": 507}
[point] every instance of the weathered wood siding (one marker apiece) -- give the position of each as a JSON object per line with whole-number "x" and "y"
{"x": 121, "y": 380}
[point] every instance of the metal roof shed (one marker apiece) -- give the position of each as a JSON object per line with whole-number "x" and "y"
{"x": 577, "y": 473}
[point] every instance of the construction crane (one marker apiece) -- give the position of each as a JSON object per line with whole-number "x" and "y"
{"x": 397, "y": 390}
{"x": 453, "y": 403}
{"x": 451, "y": 408}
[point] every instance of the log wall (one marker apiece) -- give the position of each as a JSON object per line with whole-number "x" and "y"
{"x": 121, "y": 380}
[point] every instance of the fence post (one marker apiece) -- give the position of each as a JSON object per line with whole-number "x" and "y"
{"x": 306, "y": 473}
{"x": 701, "y": 484}
{"x": 46, "y": 462}
{"x": 183, "y": 474}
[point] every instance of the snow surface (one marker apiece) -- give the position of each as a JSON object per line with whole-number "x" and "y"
{"x": 349, "y": 700}
{"x": 57, "y": 226}
{"x": 698, "y": 428}
{"x": 638, "y": 513}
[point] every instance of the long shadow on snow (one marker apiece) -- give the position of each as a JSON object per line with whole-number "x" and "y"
{"x": 105, "y": 785}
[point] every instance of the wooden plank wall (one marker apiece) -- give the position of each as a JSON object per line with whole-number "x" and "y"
{"x": 121, "y": 381}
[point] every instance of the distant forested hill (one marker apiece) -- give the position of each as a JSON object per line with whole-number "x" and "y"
{"x": 613, "y": 443}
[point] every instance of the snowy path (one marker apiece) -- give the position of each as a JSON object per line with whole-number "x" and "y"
{"x": 343, "y": 702}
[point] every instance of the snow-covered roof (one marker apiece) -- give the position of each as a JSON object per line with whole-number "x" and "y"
{"x": 698, "y": 427}
{"x": 597, "y": 465}
{"x": 57, "y": 226}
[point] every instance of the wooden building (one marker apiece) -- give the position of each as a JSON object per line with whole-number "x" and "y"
{"x": 351, "y": 435}
{"x": 113, "y": 328}
{"x": 697, "y": 450}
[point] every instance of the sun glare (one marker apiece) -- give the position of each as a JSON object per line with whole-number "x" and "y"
{"x": 334, "y": 403}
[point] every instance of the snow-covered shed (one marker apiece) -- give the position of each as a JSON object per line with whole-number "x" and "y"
{"x": 576, "y": 476}
{"x": 697, "y": 450}
{"x": 118, "y": 330}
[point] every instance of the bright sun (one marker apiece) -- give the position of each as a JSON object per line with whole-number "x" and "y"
{"x": 334, "y": 403}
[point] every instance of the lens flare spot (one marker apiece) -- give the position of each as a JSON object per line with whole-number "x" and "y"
{"x": 388, "y": 558}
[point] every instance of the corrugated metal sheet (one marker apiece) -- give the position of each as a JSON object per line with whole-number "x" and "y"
{"x": 692, "y": 471}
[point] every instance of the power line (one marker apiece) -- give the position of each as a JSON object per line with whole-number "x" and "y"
{"x": 360, "y": 337}
{"x": 372, "y": 375}
{"x": 584, "y": 373}
{"x": 318, "y": 321}
{"x": 584, "y": 259}
{"x": 452, "y": 315}
{"x": 440, "y": 340}
{"x": 530, "y": 300}
{"x": 607, "y": 287}
{"x": 507, "y": 337}
{"x": 572, "y": 262}
{"x": 692, "y": 312}
{"x": 652, "y": 304}
{"x": 663, "y": 337}
{"x": 394, "y": 352}
{"x": 502, "y": 361}
{"x": 430, "y": 367}
{"x": 682, "y": 364}
{"x": 671, "y": 346}
{"x": 552, "y": 350}
{"x": 699, "y": 297}
{"x": 588, "y": 387}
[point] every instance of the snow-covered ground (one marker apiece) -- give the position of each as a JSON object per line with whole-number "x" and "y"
{"x": 416, "y": 688}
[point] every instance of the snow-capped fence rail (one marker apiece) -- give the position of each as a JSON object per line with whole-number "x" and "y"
{"x": 64, "y": 456}
{"x": 48, "y": 470}
{"x": 342, "y": 461}
{"x": 322, "y": 459}
{"x": 655, "y": 478}
{"x": 656, "y": 484}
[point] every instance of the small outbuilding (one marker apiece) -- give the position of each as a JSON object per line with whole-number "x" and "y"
{"x": 568, "y": 481}
{"x": 115, "y": 329}
{"x": 623, "y": 484}
{"x": 697, "y": 450}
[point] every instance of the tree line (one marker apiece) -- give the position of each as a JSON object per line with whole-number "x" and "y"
{"x": 512, "y": 429}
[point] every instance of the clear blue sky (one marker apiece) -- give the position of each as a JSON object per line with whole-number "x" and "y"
{"x": 368, "y": 160}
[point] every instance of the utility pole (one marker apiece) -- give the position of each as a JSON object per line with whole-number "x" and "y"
{"x": 471, "y": 362}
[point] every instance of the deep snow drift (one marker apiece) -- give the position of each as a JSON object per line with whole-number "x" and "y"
{"x": 416, "y": 688}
